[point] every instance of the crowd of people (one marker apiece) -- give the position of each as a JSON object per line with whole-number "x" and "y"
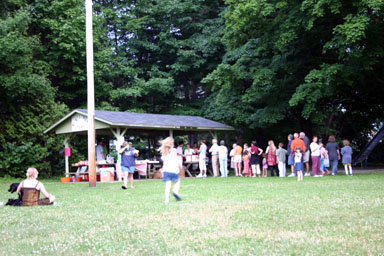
{"x": 253, "y": 161}
{"x": 245, "y": 160}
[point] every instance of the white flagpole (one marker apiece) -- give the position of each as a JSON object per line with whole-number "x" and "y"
{"x": 90, "y": 94}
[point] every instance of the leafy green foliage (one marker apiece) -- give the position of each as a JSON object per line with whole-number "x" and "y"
{"x": 265, "y": 67}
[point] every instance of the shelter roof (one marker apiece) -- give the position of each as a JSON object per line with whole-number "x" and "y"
{"x": 77, "y": 119}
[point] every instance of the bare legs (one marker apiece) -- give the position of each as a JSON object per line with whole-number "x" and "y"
{"x": 238, "y": 169}
{"x": 176, "y": 189}
{"x": 125, "y": 179}
{"x": 348, "y": 168}
{"x": 299, "y": 175}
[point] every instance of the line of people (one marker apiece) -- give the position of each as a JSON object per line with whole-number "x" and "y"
{"x": 254, "y": 161}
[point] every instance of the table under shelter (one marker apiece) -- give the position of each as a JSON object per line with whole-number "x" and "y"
{"x": 118, "y": 124}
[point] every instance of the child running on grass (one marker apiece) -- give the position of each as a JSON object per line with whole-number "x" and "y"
{"x": 171, "y": 168}
{"x": 265, "y": 165}
{"x": 299, "y": 166}
{"x": 346, "y": 152}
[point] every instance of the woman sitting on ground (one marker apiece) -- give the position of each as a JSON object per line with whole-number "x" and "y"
{"x": 31, "y": 188}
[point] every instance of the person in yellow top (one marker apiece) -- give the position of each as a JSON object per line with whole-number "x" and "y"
{"x": 237, "y": 159}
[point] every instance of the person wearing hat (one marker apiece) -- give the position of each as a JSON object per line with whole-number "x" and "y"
{"x": 128, "y": 162}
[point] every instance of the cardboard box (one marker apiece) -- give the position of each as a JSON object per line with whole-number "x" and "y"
{"x": 107, "y": 174}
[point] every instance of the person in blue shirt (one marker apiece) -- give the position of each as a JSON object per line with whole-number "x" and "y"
{"x": 128, "y": 163}
{"x": 346, "y": 152}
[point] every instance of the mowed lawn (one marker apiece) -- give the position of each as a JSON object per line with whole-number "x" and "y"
{"x": 234, "y": 216}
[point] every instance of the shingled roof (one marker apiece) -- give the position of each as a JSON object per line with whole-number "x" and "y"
{"x": 147, "y": 121}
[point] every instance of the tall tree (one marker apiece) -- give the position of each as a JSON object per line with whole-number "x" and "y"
{"x": 307, "y": 61}
{"x": 162, "y": 50}
{"x": 27, "y": 103}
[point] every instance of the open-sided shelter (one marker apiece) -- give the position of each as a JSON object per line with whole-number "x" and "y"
{"x": 118, "y": 123}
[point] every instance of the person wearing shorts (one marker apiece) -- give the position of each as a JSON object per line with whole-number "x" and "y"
{"x": 171, "y": 168}
{"x": 238, "y": 159}
{"x": 306, "y": 153}
{"x": 128, "y": 163}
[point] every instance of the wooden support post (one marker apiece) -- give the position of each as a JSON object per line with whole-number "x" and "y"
{"x": 171, "y": 133}
{"x": 90, "y": 94}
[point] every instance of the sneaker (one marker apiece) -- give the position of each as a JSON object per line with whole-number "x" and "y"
{"x": 240, "y": 175}
{"x": 316, "y": 176}
{"x": 292, "y": 175}
{"x": 307, "y": 174}
{"x": 205, "y": 176}
{"x": 199, "y": 176}
{"x": 320, "y": 175}
{"x": 123, "y": 187}
{"x": 178, "y": 198}
{"x": 333, "y": 174}
{"x": 1, "y": 203}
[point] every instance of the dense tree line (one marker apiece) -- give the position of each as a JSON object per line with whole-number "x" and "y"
{"x": 265, "y": 67}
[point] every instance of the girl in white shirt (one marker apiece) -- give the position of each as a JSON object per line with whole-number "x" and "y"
{"x": 299, "y": 166}
{"x": 171, "y": 168}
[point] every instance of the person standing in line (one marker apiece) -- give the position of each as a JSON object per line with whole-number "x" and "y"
{"x": 290, "y": 156}
{"x": 281, "y": 154}
{"x": 324, "y": 160}
{"x": 255, "y": 160}
{"x": 265, "y": 165}
{"x": 246, "y": 149}
{"x": 333, "y": 153}
{"x": 179, "y": 151}
{"x": 202, "y": 159}
{"x": 271, "y": 158}
{"x": 100, "y": 156}
{"x": 346, "y": 152}
{"x": 299, "y": 166}
{"x": 238, "y": 159}
{"x": 214, "y": 150}
{"x": 246, "y": 170}
{"x": 315, "y": 152}
{"x": 171, "y": 168}
{"x": 128, "y": 163}
{"x": 306, "y": 153}
{"x": 223, "y": 159}
{"x": 296, "y": 142}
{"x": 232, "y": 156}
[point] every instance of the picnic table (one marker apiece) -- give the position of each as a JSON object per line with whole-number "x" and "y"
{"x": 143, "y": 168}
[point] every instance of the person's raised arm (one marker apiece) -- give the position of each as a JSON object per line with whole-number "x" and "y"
{"x": 267, "y": 150}
{"x": 260, "y": 151}
{"x": 123, "y": 149}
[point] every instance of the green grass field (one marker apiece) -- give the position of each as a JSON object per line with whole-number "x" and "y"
{"x": 234, "y": 216}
